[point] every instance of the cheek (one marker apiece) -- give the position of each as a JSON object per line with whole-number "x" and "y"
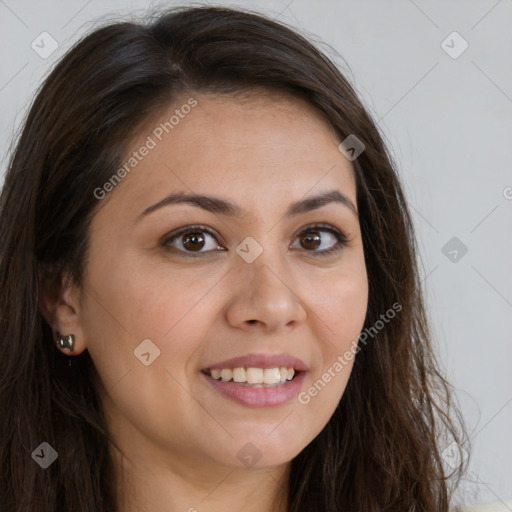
{"x": 348, "y": 310}
{"x": 340, "y": 310}
{"x": 150, "y": 299}
{"x": 130, "y": 305}
{"x": 171, "y": 308}
{"x": 340, "y": 303}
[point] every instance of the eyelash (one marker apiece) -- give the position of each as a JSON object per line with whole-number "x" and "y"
{"x": 340, "y": 238}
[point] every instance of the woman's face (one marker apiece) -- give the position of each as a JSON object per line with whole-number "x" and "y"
{"x": 159, "y": 308}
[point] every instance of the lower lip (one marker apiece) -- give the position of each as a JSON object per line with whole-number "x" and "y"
{"x": 259, "y": 397}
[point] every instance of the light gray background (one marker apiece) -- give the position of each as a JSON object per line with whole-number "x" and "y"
{"x": 448, "y": 122}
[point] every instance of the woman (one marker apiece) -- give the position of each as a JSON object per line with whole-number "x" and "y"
{"x": 211, "y": 298}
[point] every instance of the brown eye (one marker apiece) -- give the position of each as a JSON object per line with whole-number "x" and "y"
{"x": 311, "y": 241}
{"x": 313, "y": 237}
{"x": 199, "y": 240}
{"x": 193, "y": 241}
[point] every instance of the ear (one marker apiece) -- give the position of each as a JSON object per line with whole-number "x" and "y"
{"x": 60, "y": 306}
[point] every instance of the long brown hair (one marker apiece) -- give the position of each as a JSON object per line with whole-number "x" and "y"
{"x": 381, "y": 449}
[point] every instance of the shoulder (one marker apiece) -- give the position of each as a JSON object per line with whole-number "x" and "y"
{"x": 499, "y": 506}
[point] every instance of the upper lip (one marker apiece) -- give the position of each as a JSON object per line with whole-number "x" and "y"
{"x": 261, "y": 361}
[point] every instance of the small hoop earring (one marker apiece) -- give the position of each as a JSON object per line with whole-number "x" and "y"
{"x": 66, "y": 341}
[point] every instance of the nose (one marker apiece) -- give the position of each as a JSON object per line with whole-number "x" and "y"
{"x": 265, "y": 297}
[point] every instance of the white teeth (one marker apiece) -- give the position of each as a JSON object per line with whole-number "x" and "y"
{"x": 239, "y": 375}
{"x": 254, "y": 375}
{"x": 271, "y": 376}
{"x": 226, "y": 375}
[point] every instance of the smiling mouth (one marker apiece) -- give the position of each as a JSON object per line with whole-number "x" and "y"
{"x": 267, "y": 387}
{"x": 253, "y": 377}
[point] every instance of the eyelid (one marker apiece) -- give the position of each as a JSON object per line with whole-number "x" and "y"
{"x": 341, "y": 238}
{"x": 166, "y": 239}
{"x": 339, "y": 234}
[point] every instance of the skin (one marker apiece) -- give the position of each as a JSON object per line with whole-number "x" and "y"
{"x": 180, "y": 437}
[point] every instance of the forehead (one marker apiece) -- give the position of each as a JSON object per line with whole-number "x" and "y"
{"x": 269, "y": 145}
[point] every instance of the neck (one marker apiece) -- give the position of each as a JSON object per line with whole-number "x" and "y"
{"x": 143, "y": 487}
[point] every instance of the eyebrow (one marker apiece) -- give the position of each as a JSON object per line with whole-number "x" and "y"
{"x": 225, "y": 207}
